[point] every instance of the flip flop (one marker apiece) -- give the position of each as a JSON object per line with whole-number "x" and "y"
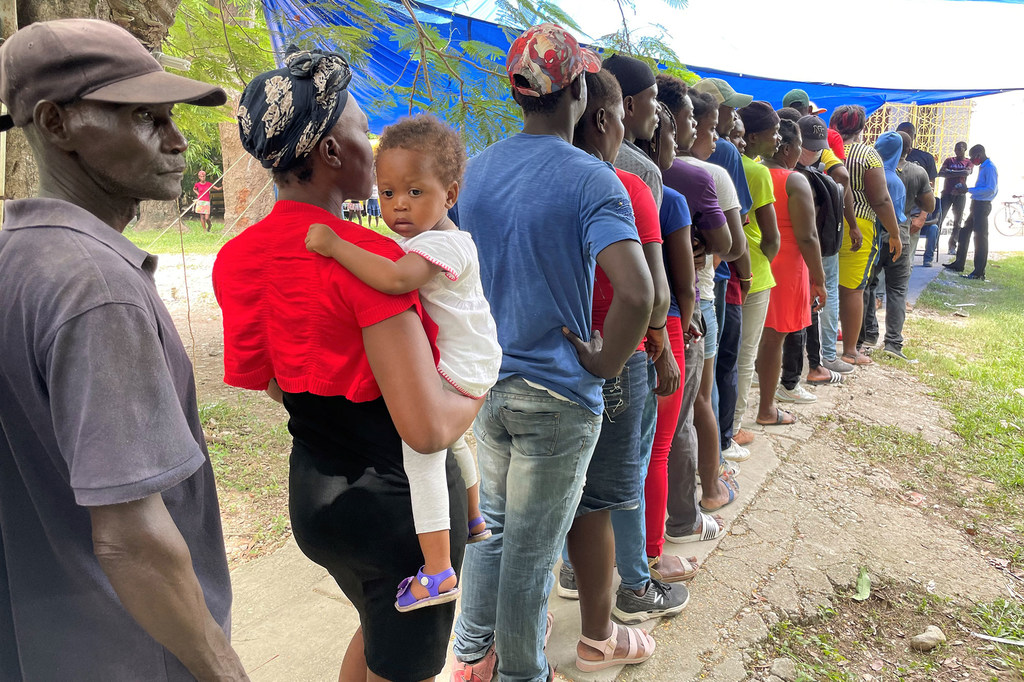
{"x": 779, "y": 419}
{"x": 710, "y": 529}
{"x": 690, "y": 569}
{"x": 732, "y": 486}
{"x": 407, "y": 602}
{"x": 477, "y": 537}
{"x": 833, "y": 378}
{"x": 859, "y": 359}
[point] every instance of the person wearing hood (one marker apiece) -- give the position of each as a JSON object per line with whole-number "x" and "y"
{"x": 871, "y": 202}
{"x": 890, "y": 146}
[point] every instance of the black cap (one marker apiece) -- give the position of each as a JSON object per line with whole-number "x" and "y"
{"x": 814, "y": 133}
{"x": 633, "y": 74}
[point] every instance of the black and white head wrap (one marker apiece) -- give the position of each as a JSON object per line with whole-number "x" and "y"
{"x": 283, "y": 114}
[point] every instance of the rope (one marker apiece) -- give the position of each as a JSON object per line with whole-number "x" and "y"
{"x": 227, "y": 231}
{"x": 189, "y": 207}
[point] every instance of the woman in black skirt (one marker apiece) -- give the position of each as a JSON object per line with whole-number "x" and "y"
{"x": 356, "y": 369}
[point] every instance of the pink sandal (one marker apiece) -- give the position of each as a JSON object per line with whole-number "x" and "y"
{"x": 641, "y": 648}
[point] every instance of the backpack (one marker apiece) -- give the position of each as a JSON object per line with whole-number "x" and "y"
{"x": 828, "y": 209}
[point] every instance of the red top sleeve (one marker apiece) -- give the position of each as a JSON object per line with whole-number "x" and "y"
{"x": 296, "y": 316}
{"x": 648, "y": 227}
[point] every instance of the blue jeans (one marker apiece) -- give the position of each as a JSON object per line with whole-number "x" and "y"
{"x": 619, "y": 466}
{"x": 533, "y": 451}
{"x": 629, "y": 524}
{"x": 931, "y": 237}
{"x": 711, "y": 335}
{"x": 828, "y": 317}
{"x": 726, "y": 372}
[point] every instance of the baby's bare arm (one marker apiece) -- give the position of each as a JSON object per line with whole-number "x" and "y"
{"x": 383, "y": 274}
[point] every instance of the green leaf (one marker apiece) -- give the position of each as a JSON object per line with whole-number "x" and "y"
{"x": 863, "y": 585}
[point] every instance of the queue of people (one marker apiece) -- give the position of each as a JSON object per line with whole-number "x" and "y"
{"x": 658, "y": 247}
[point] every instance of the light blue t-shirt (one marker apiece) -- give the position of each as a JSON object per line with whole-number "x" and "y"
{"x": 540, "y": 210}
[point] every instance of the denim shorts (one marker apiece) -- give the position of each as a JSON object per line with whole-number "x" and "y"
{"x": 707, "y": 310}
{"x": 615, "y": 477}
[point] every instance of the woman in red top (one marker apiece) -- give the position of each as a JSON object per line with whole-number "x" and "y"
{"x": 354, "y": 367}
{"x": 789, "y": 309}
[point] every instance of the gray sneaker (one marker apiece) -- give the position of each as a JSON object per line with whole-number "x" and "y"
{"x": 894, "y": 352}
{"x": 567, "y": 582}
{"x": 837, "y": 365}
{"x": 660, "y": 599}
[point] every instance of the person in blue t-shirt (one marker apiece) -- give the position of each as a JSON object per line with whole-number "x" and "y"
{"x": 563, "y": 211}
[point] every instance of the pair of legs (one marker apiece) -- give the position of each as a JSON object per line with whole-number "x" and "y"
{"x": 897, "y": 282}
{"x": 930, "y": 234}
{"x": 684, "y": 516}
{"x": 714, "y": 490}
{"x": 429, "y": 493}
{"x": 614, "y": 487}
{"x": 793, "y": 355}
{"x": 656, "y": 483}
{"x": 755, "y": 307}
{"x": 957, "y": 202}
{"x": 204, "y": 220}
{"x": 769, "y": 367}
{"x": 976, "y": 224}
{"x": 854, "y": 270}
{"x": 533, "y": 450}
{"x": 726, "y": 369}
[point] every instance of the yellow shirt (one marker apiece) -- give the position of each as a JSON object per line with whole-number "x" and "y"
{"x": 829, "y": 159}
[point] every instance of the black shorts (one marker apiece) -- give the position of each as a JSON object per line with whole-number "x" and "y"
{"x": 351, "y": 513}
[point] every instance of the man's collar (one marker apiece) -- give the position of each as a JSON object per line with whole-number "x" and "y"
{"x": 42, "y": 212}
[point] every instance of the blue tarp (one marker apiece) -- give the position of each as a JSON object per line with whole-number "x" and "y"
{"x": 287, "y": 18}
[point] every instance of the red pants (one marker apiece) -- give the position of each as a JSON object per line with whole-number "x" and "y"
{"x": 656, "y": 485}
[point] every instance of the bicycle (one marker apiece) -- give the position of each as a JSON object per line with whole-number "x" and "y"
{"x": 1010, "y": 219}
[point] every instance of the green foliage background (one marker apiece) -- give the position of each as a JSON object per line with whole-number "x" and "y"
{"x": 228, "y": 43}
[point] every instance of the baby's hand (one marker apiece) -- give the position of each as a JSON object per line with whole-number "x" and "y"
{"x": 320, "y": 239}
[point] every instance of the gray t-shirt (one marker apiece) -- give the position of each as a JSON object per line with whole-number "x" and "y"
{"x": 916, "y": 181}
{"x": 97, "y": 407}
{"x": 634, "y": 161}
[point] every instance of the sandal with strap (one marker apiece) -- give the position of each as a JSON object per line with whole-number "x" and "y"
{"x": 641, "y": 647}
{"x": 710, "y": 529}
{"x": 833, "y": 378}
{"x": 477, "y": 537}
{"x": 407, "y": 602}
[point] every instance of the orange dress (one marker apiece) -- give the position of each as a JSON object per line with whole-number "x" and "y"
{"x": 789, "y": 308}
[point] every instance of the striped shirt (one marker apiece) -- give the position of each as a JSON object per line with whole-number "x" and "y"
{"x": 860, "y": 158}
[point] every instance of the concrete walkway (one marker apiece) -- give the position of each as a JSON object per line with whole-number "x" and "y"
{"x": 292, "y": 622}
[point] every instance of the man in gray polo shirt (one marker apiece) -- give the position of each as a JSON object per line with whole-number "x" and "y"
{"x": 112, "y": 562}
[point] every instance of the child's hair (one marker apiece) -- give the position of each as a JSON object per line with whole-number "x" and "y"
{"x": 429, "y": 136}
{"x": 789, "y": 131}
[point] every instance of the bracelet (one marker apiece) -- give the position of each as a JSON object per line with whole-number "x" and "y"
{"x": 664, "y": 324}
{"x": 745, "y": 279}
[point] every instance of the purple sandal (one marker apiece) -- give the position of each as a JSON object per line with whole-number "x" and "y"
{"x": 477, "y": 537}
{"x": 407, "y": 602}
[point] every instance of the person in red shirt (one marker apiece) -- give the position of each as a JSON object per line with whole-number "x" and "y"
{"x": 202, "y": 189}
{"x": 355, "y": 368}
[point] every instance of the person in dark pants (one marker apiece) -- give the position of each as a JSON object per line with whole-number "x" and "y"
{"x": 955, "y": 170}
{"x": 982, "y": 194}
{"x": 918, "y": 196}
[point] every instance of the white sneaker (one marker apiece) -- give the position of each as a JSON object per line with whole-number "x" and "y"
{"x": 736, "y": 452}
{"x": 799, "y": 395}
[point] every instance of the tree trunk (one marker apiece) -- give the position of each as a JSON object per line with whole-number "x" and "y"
{"x": 147, "y": 20}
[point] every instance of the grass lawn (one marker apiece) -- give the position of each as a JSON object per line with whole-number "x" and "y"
{"x": 975, "y": 367}
{"x": 197, "y": 242}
